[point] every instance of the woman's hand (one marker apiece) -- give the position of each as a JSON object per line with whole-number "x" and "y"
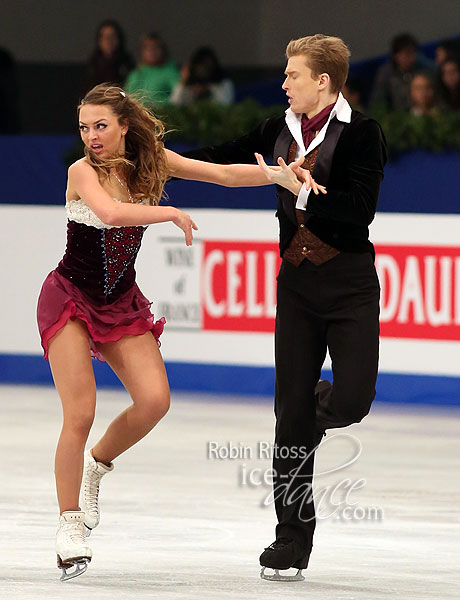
{"x": 290, "y": 176}
{"x": 185, "y": 222}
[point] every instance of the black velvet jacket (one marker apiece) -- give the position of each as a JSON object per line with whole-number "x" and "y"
{"x": 349, "y": 163}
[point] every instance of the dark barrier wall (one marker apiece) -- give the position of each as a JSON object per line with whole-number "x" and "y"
{"x": 32, "y": 171}
{"x": 242, "y": 32}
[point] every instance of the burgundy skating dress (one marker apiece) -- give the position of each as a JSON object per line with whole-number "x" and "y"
{"x": 95, "y": 282}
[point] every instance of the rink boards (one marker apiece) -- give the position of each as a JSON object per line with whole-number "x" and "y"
{"x": 219, "y": 298}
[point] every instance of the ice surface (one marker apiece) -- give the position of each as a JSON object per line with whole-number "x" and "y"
{"x": 177, "y": 523}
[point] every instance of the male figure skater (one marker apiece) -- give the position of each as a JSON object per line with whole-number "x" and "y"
{"x": 328, "y": 291}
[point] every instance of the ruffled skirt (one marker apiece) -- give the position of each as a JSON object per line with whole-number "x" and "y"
{"x": 61, "y": 300}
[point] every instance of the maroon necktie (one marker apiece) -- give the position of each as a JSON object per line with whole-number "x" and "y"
{"x": 309, "y": 126}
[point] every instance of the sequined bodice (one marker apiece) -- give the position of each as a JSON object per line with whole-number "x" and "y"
{"x": 99, "y": 258}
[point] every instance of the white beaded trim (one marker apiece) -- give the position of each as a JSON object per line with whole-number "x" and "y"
{"x": 80, "y": 212}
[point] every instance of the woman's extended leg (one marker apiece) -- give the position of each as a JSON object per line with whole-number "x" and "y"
{"x": 137, "y": 362}
{"x": 70, "y": 362}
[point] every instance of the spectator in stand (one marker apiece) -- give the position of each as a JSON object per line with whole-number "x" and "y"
{"x": 203, "y": 79}
{"x": 392, "y": 81}
{"x": 422, "y": 95}
{"x": 447, "y": 49}
{"x": 449, "y": 84}
{"x": 156, "y": 75}
{"x": 109, "y": 62}
{"x": 9, "y": 118}
{"x": 352, "y": 93}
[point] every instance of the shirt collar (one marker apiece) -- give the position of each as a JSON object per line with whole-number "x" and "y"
{"x": 341, "y": 110}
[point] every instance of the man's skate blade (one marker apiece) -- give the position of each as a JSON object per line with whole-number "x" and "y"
{"x": 78, "y": 564}
{"x": 276, "y": 576}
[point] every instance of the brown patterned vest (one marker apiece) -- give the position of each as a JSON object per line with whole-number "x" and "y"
{"x": 306, "y": 244}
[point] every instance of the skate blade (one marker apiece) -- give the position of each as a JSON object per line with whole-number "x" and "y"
{"x": 78, "y": 564}
{"x": 277, "y": 577}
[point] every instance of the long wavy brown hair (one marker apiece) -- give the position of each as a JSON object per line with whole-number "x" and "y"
{"x": 143, "y": 165}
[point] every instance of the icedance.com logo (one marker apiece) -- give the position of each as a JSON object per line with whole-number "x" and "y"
{"x": 332, "y": 499}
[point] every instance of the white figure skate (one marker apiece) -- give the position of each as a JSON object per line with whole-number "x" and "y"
{"x": 73, "y": 552}
{"x": 89, "y": 496}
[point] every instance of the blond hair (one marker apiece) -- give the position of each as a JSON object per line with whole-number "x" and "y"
{"x": 143, "y": 165}
{"x": 324, "y": 54}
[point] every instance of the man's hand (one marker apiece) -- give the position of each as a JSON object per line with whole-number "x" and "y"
{"x": 281, "y": 175}
{"x": 305, "y": 176}
{"x": 289, "y": 176}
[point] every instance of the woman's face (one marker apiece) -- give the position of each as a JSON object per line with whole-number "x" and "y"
{"x": 108, "y": 40}
{"x": 450, "y": 75}
{"x": 421, "y": 92}
{"x": 100, "y": 130}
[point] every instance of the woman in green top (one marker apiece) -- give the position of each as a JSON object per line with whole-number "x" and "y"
{"x": 156, "y": 75}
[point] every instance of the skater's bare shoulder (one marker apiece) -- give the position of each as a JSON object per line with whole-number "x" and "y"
{"x": 80, "y": 168}
{"x": 83, "y": 183}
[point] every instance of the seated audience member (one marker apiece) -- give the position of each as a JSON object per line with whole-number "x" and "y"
{"x": 352, "y": 94}
{"x": 156, "y": 75}
{"x": 203, "y": 78}
{"x": 392, "y": 81}
{"x": 449, "y": 84}
{"x": 422, "y": 95}
{"x": 447, "y": 49}
{"x": 109, "y": 62}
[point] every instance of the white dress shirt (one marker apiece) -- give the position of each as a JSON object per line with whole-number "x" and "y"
{"x": 341, "y": 110}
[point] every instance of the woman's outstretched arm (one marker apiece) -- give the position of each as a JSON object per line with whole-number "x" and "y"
{"x": 226, "y": 175}
{"x": 242, "y": 175}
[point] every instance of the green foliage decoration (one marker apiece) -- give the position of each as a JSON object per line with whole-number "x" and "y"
{"x": 206, "y": 123}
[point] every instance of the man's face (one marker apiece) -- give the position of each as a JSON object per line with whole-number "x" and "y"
{"x": 405, "y": 58}
{"x": 300, "y": 87}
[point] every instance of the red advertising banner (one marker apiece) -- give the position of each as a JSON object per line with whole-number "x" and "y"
{"x": 420, "y": 295}
{"x": 239, "y": 285}
{"x": 420, "y": 288}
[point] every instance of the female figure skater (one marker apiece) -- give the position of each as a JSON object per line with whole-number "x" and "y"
{"x": 91, "y": 306}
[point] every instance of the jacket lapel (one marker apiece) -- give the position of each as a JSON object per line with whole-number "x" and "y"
{"x": 323, "y": 162}
{"x": 282, "y": 145}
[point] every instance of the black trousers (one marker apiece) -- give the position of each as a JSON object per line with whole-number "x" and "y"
{"x": 333, "y": 306}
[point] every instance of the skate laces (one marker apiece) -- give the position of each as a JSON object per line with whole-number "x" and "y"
{"x": 279, "y": 543}
{"x": 92, "y": 481}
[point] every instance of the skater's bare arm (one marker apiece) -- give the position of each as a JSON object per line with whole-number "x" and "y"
{"x": 83, "y": 179}
{"x": 226, "y": 175}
